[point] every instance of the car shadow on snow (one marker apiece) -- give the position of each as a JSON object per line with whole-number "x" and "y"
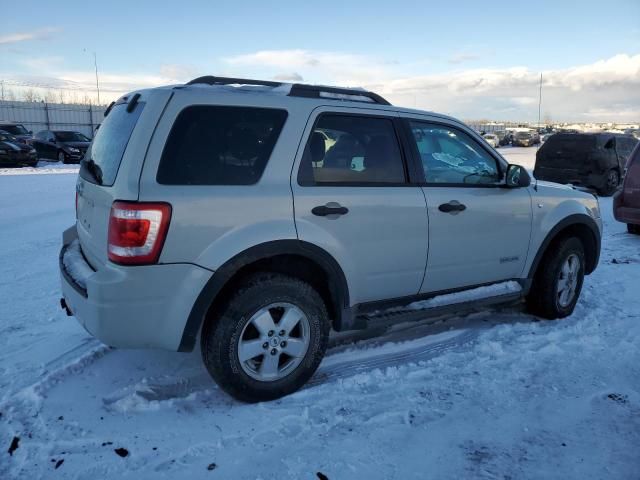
{"x": 156, "y": 378}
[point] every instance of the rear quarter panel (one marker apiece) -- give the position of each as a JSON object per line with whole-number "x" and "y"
{"x": 211, "y": 224}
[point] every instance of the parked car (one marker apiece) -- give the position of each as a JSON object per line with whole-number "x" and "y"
{"x": 21, "y": 134}
{"x": 624, "y": 146}
{"x": 525, "y": 139}
{"x": 492, "y": 139}
{"x": 14, "y": 153}
{"x": 587, "y": 159}
{"x": 626, "y": 202}
{"x": 506, "y": 138}
{"x": 186, "y": 227}
{"x": 62, "y": 145}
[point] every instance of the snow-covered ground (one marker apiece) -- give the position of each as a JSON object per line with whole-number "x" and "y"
{"x": 491, "y": 395}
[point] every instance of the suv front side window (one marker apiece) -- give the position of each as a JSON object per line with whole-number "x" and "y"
{"x": 450, "y": 156}
{"x": 352, "y": 150}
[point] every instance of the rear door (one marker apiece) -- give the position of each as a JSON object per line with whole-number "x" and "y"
{"x": 478, "y": 231}
{"x": 353, "y": 198}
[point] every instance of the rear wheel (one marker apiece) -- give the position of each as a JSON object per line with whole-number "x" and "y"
{"x": 635, "y": 229}
{"x": 611, "y": 183}
{"x": 268, "y": 339}
{"x": 62, "y": 158}
{"x": 558, "y": 281}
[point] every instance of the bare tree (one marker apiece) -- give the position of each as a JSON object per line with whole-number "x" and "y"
{"x": 50, "y": 96}
{"x": 30, "y": 95}
{"x": 62, "y": 96}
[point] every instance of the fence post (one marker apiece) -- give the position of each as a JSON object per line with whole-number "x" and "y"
{"x": 46, "y": 112}
{"x": 91, "y": 118}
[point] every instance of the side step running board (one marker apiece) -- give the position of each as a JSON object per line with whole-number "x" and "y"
{"x": 397, "y": 315}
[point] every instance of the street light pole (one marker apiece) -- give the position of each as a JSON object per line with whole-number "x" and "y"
{"x": 95, "y": 63}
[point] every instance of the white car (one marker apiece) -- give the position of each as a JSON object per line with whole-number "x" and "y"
{"x": 221, "y": 214}
{"x": 492, "y": 139}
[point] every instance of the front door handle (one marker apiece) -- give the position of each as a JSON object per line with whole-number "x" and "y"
{"x": 331, "y": 208}
{"x": 453, "y": 207}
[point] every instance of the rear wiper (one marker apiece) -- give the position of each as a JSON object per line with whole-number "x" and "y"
{"x": 94, "y": 169}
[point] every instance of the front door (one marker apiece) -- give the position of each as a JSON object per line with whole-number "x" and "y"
{"x": 352, "y": 198}
{"x": 478, "y": 229}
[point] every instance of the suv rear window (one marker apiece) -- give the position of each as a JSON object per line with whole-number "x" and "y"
{"x": 110, "y": 142}
{"x": 220, "y": 145}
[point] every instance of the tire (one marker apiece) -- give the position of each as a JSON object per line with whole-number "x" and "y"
{"x": 634, "y": 229}
{"x": 62, "y": 158}
{"x": 234, "y": 325}
{"x": 612, "y": 181}
{"x": 544, "y": 299}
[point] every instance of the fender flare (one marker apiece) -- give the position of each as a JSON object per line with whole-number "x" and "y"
{"x": 575, "y": 219}
{"x": 338, "y": 286}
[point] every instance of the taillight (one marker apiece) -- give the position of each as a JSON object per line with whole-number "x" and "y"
{"x": 137, "y": 232}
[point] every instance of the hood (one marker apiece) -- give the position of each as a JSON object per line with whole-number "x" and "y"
{"x": 16, "y": 147}
{"x": 80, "y": 145}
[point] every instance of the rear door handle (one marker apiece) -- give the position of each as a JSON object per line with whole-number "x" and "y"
{"x": 453, "y": 207}
{"x": 331, "y": 208}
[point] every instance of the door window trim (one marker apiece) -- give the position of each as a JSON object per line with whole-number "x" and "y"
{"x": 417, "y": 162}
{"x": 410, "y": 175}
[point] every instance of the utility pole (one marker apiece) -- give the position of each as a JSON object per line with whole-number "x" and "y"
{"x": 2, "y": 88}
{"x": 95, "y": 62}
{"x": 540, "y": 100}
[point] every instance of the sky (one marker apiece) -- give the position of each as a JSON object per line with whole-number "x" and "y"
{"x": 473, "y": 60}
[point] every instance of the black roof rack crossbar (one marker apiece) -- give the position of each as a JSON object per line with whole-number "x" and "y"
{"x": 314, "y": 91}
{"x": 297, "y": 89}
{"x": 211, "y": 80}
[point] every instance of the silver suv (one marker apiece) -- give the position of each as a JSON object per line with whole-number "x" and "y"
{"x": 257, "y": 216}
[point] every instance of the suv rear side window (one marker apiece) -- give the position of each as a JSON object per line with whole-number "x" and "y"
{"x": 110, "y": 142}
{"x": 352, "y": 150}
{"x": 220, "y": 145}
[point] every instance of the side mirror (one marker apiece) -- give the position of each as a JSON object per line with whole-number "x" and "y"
{"x": 517, "y": 176}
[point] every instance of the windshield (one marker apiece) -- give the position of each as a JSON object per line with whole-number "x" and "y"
{"x": 71, "y": 137}
{"x": 523, "y": 135}
{"x": 110, "y": 142}
{"x": 15, "y": 129}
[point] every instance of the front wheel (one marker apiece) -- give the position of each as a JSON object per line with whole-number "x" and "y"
{"x": 558, "y": 281}
{"x": 268, "y": 339}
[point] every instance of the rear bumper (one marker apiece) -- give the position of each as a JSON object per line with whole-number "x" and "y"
{"x": 131, "y": 307}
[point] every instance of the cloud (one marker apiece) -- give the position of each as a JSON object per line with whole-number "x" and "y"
{"x": 17, "y": 37}
{"x": 462, "y": 57}
{"x": 288, "y": 77}
{"x": 179, "y": 72}
{"x": 343, "y": 68}
{"x": 605, "y": 90}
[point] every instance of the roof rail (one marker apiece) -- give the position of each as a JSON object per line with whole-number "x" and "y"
{"x": 298, "y": 89}
{"x": 211, "y": 80}
{"x": 336, "y": 93}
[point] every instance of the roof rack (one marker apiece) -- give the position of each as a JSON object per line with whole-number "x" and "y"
{"x": 299, "y": 89}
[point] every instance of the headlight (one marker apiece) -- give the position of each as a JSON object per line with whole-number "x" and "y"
{"x": 74, "y": 150}
{"x": 3, "y": 152}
